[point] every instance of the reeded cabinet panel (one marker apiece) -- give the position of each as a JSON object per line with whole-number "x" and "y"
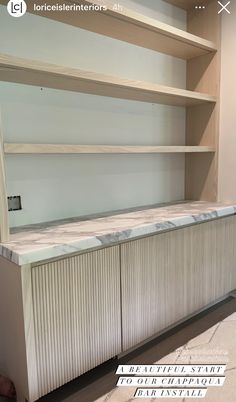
{"x": 210, "y": 261}
{"x": 76, "y": 315}
{"x": 153, "y": 282}
{"x": 169, "y": 276}
{"x": 226, "y": 255}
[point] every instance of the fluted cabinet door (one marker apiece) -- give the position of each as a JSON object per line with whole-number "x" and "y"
{"x": 153, "y": 296}
{"x": 170, "y": 276}
{"x": 210, "y": 261}
{"x": 76, "y": 315}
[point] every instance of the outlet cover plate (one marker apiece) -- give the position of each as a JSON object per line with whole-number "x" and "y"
{"x": 14, "y": 203}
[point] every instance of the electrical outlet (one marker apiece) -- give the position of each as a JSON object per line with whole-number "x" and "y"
{"x": 14, "y": 203}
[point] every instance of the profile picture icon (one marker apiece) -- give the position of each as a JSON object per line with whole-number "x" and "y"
{"x": 16, "y": 8}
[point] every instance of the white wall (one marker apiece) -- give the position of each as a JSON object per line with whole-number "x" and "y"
{"x": 54, "y": 187}
{"x": 227, "y": 156}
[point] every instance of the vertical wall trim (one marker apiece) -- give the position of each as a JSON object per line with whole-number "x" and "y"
{"x": 4, "y": 225}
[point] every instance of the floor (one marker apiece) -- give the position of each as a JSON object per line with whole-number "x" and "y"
{"x": 208, "y": 338}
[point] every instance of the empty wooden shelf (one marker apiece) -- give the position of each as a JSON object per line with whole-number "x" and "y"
{"x": 100, "y": 149}
{"x": 127, "y": 25}
{"x": 32, "y": 72}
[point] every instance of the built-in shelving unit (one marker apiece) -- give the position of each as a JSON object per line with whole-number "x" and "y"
{"x": 48, "y": 273}
{"x": 24, "y": 71}
{"x": 99, "y": 149}
{"x": 200, "y": 46}
{"x": 124, "y": 24}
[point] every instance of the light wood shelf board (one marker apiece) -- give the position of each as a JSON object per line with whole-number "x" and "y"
{"x": 130, "y": 26}
{"x": 100, "y": 149}
{"x": 31, "y": 72}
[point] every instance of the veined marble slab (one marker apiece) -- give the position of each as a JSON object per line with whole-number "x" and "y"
{"x": 39, "y": 242}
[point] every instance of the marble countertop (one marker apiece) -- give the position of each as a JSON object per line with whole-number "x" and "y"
{"x": 33, "y": 243}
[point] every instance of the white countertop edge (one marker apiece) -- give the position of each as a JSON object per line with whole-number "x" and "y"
{"x": 63, "y": 250}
